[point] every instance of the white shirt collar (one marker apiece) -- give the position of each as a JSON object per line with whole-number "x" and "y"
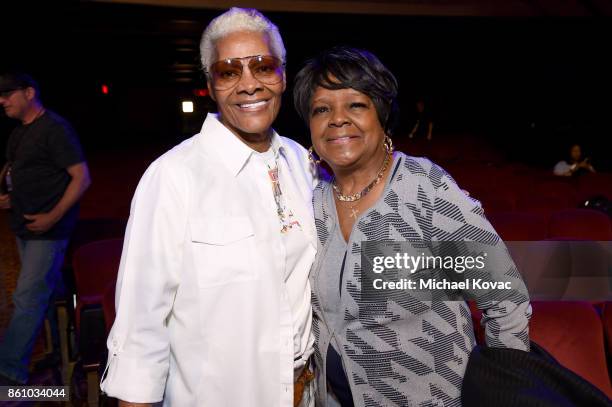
{"x": 230, "y": 150}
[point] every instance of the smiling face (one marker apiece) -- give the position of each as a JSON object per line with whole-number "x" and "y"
{"x": 249, "y": 108}
{"x": 345, "y": 129}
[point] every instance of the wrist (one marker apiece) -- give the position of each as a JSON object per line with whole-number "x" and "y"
{"x": 55, "y": 215}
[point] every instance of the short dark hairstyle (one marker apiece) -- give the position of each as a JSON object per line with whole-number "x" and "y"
{"x": 342, "y": 68}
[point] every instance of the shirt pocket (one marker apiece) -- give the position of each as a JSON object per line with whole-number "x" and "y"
{"x": 223, "y": 250}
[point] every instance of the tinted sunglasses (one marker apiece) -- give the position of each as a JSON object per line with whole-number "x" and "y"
{"x": 266, "y": 69}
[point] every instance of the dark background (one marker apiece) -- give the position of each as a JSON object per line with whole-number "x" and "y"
{"x": 530, "y": 85}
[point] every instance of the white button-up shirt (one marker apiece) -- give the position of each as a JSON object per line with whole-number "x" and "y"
{"x": 208, "y": 314}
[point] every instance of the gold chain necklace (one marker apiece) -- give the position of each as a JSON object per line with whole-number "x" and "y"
{"x": 357, "y": 196}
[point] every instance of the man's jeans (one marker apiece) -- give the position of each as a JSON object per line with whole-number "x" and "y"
{"x": 41, "y": 262}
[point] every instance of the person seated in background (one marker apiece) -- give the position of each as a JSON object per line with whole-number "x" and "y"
{"x": 575, "y": 165}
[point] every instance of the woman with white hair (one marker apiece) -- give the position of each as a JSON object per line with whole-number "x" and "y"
{"x": 213, "y": 299}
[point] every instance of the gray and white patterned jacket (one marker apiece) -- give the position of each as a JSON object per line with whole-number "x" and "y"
{"x": 401, "y": 350}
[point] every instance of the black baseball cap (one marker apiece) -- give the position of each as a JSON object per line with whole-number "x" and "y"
{"x": 16, "y": 80}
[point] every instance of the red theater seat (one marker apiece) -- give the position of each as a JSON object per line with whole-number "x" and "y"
{"x": 91, "y": 230}
{"x": 591, "y": 185}
{"x": 580, "y": 224}
{"x": 95, "y": 265}
{"x": 544, "y": 204}
{"x": 572, "y": 332}
{"x": 543, "y": 193}
{"x": 493, "y": 200}
{"x": 519, "y": 226}
{"x": 558, "y": 189}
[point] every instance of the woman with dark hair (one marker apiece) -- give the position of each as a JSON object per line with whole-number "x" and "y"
{"x": 394, "y": 348}
{"x": 576, "y": 164}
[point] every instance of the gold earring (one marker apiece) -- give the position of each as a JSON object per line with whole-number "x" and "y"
{"x": 311, "y": 156}
{"x": 388, "y": 144}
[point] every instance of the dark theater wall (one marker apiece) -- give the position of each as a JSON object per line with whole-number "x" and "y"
{"x": 529, "y": 84}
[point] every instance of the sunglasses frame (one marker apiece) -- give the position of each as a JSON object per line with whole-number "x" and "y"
{"x": 251, "y": 58}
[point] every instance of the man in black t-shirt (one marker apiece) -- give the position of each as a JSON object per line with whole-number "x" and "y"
{"x": 41, "y": 183}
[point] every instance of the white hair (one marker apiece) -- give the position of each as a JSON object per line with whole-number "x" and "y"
{"x": 234, "y": 20}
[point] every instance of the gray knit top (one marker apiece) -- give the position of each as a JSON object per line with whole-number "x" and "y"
{"x": 402, "y": 350}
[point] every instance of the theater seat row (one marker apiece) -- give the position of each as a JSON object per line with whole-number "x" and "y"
{"x": 576, "y": 224}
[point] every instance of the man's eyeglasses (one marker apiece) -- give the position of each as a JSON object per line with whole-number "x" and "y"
{"x": 227, "y": 72}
